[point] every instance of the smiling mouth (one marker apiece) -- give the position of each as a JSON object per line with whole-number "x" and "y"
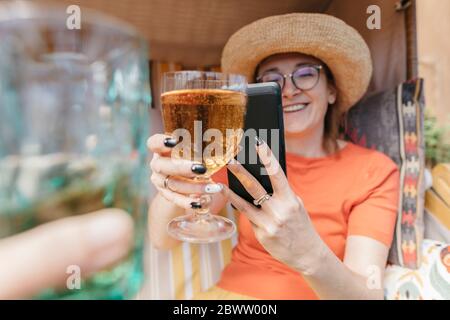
{"x": 295, "y": 107}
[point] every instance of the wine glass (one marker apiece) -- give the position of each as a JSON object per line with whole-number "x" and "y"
{"x": 205, "y": 112}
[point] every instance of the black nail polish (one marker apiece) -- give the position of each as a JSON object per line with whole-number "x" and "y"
{"x": 170, "y": 142}
{"x": 198, "y": 168}
{"x": 233, "y": 206}
{"x": 259, "y": 141}
{"x": 196, "y": 205}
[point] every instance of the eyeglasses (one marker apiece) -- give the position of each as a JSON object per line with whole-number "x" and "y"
{"x": 305, "y": 77}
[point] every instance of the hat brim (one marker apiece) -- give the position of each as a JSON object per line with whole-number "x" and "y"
{"x": 322, "y": 36}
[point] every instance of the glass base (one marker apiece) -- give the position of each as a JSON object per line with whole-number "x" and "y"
{"x": 201, "y": 228}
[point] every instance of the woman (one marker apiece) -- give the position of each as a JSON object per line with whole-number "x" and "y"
{"x": 326, "y": 230}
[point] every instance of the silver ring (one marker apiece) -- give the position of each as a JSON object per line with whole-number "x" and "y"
{"x": 166, "y": 182}
{"x": 261, "y": 199}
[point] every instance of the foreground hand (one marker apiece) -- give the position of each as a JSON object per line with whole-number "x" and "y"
{"x": 39, "y": 258}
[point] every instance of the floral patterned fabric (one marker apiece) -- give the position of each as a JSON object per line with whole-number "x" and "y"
{"x": 430, "y": 282}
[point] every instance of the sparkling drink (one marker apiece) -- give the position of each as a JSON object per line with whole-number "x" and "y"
{"x": 212, "y": 120}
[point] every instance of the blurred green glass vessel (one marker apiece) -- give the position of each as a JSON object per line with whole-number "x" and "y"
{"x": 73, "y": 126}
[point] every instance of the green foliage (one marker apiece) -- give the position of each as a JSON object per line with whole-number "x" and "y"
{"x": 437, "y": 141}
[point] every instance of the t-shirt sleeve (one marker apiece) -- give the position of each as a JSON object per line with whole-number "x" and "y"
{"x": 374, "y": 213}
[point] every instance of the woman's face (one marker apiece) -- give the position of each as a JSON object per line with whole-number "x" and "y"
{"x": 304, "y": 110}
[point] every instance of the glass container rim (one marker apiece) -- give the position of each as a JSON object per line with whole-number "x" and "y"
{"x": 220, "y": 76}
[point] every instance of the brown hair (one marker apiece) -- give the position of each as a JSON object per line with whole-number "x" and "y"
{"x": 333, "y": 118}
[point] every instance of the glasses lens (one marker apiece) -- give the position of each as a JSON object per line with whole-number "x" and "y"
{"x": 306, "y": 78}
{"x": 273, "y": 77}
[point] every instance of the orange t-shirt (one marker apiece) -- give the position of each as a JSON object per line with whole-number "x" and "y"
{"x": 355, "y": 193}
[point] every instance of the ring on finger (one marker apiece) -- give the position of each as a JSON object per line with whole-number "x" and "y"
{"x": 261, "y": 199}
{"x": 166, "y": 182}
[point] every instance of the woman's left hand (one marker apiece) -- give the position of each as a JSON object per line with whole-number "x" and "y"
{"x": 282, "y": 225}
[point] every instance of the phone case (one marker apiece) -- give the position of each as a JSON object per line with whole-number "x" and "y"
{"x": 264, "y": 117}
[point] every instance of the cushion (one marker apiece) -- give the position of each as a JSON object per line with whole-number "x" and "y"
{"x": 392, "y": 122}
{"x": 430, "y": 282}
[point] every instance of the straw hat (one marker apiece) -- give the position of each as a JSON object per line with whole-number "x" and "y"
{"x": 323, "y": 36}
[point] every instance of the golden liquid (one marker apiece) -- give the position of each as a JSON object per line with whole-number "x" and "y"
{"x": 222, "y": 110}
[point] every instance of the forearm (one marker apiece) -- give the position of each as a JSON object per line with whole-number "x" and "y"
{"x": 331, "y": 279}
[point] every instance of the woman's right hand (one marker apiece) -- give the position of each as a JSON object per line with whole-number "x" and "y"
{"x": 181, "y": 189}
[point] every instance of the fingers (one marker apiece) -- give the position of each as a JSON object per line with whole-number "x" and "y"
{"x": 277, "y": 177}
{"x": 256, "y": 216}
{"x": 40, "y": 258}
{"x": 184, "y": 186}
{"x": 161, "y": 143}
{"x": 180, "y": 200}
{"x": 250, "y": 183}
{"x": 176, "y": 167}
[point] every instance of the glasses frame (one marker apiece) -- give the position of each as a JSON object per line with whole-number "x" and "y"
{"x": 318, "y": 67}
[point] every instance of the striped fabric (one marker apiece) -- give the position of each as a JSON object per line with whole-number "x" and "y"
{"x": 187, "y": 269}
{"x": 409, "y": 229}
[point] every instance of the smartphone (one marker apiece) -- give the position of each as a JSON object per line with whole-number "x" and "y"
{"x": 264, "y": 117}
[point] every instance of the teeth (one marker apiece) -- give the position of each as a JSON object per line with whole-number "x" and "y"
{"x": 295, "y": 107}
